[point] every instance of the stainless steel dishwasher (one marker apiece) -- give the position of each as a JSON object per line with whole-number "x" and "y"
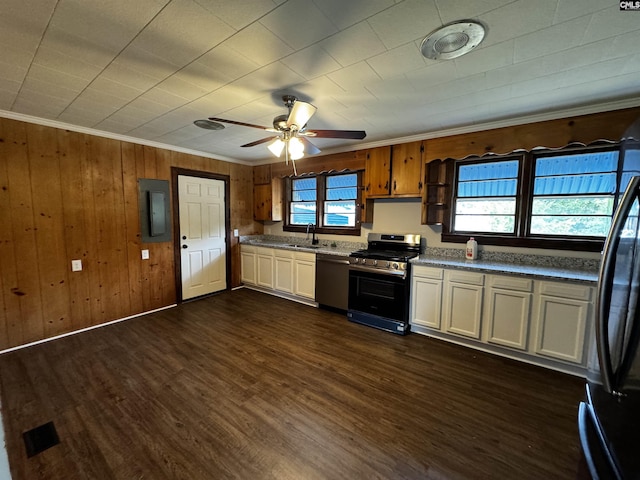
{"x": 332, "y": 281}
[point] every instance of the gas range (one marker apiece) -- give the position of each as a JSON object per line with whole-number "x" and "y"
{"x": 379, "y": 282}
{"x": 387, "y": 253}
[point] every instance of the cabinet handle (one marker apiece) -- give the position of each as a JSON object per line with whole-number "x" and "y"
{"x": 394, "y": 185}
{"x": 419, "y": 185}
{"x": 386, "y": 185}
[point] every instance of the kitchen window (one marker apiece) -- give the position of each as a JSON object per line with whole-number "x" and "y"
{"x": 329, "y": 201}
{"x": 561, "y": 199}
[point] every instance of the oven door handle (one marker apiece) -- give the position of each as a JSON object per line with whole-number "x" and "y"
{"x": 394, "y": 273}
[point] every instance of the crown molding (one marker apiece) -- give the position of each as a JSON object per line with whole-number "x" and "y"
{"x": 506, "y": 122}
{"x": 115, "y": 136}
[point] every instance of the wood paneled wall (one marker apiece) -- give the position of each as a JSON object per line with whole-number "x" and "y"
{"x": 67, "y": 195}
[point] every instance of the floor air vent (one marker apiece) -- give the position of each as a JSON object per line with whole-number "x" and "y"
{"x": 40, "y": 438}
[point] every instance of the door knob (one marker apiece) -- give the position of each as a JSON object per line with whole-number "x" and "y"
{"x": 184, "y": 237}
{"x": 185, "y": 246}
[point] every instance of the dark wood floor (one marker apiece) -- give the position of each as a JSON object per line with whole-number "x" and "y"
{"x": 245, "y": 385}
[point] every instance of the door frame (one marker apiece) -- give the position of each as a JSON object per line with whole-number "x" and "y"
{"x": 175, "y": 172}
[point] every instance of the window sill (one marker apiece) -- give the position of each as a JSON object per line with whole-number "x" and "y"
{"x": 576, "y": 244}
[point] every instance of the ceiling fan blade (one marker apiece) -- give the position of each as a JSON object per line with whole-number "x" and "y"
{"x": 300, "y": 114}
{"x": 214, "y": 119}
{"x": 258, "y": 142}
{"x": 309, "y": 147}
{"x": 351, "y": 134}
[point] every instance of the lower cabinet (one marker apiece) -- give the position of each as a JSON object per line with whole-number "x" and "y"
{"x": 539, "y": 321}
{"x": 426, "y": 296}
{"x": 508, "y": 311}
{"x": 278, "y": 271}
{"x": 462, "y": 305}
{"x": 562, "y": 316}
{"x": 305, "y": 275}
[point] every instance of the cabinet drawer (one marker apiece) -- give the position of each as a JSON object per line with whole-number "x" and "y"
{"x": 461, "y": 276}
{"x": 282, "y": 253}
{"x": 248, "y": 248}
{"x": 308, "y": 257}
{"x": 511, "y": 283}
{"x": 427, "y": 272}
{"x": 565, "y": 290}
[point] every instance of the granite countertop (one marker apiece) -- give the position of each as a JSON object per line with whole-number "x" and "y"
{"x": 539, "y": 266}
{"x": 552, "y": 268}
{"x": 342, "y": 249}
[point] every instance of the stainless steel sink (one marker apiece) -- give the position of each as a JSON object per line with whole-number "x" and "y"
{"x": 295, "y": 245}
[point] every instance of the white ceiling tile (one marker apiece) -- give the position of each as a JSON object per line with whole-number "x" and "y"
{"x": 239, "y": 13}
{"x": 74, "y": 65}
{"x": 182, "y": 32}
{"x": 309, "y": 26}
{"x": 259, "y": 44}
{"x": 405, "y": 22}
{"x": 311, "y": 62}
{"x": 122, "y": 72}
{"x": 454, "y": 10}
{"x": 163, "y": 97}
{"x": 440, "y": 72}
{"x": 557, "y": 37}
{"x": 103, "y": 85}
{"x": 405, "y": 58}
{"x": 149, "y": 69}
{"x": 7, "y": 96}
{"x": 266, "y": 80}
{"x": 54, "y": 82}
{"x": 611, "y": 23}
{"x": 39, "y": 104}
{"x": 11, "y": 73}
{"x": 354, "y": 44}
{"x": 632, "y": 65}
{"x": 23, "y": 22}
{"x": 110, "y": 23}
{"x": 179, "y": 84}
{"x": 226, "y": 63}
{"x": 318, "y": 89}
{"x": 355, "y": 76}
{"x": 568, "y": 9}
{"x": 577, "y": 57}
{"x": 517, "y": 19}
{"x": 345, "y": 14}
{"x": 485, "y": 59}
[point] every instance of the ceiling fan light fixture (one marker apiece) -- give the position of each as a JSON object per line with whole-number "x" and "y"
{"x": 453, "y": 40}
{"x": 276, "y": 147}
{"x": 296, "y": 148}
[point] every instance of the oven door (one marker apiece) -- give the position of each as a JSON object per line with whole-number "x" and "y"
{"x": 379, "y": 293}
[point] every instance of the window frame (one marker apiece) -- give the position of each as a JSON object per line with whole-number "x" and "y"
{"x": 524, "y": 203}
{"x": 321, "y": 189}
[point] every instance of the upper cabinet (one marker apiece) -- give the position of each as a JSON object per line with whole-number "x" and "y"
{"x": 394, "y": 171}
{"x": 406, "y": 170}
{"x": 377, "y": 172}
{"x": 267, "y": 195}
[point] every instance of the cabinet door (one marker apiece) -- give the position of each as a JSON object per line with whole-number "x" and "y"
{"x": 378, "y": 172}
{"x": 284, "y": 272}
{"x": 561, "y": 328}
{"x": 264, "y": 261}
{"x": 406, "y": 169}
{"x": 248, "y": 266}
{"x": 463, "y": 303}
{"x": 267, "y": 201}
{"x": 508, "y": 317}
{"x": 426, "y": 302}
{"x": 305, "y": 278}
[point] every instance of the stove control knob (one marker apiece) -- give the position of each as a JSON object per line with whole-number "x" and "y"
{"x": 388, "y": 264}
{"x": 395, "y": 266}
{"x": 375, "y": 262}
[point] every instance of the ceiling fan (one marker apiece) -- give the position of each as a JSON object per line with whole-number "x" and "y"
{"x": 291, "y": 131}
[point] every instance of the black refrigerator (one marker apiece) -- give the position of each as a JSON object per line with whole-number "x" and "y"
{"x": 609, "y": 417}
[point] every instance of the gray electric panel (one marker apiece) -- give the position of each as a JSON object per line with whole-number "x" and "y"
{"x": 155, "y": 210}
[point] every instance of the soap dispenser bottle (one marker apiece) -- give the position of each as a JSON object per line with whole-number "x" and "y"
{"x": 472, "y": 249}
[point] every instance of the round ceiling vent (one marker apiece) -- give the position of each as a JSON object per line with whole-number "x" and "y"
{"x": 453, "y": 40}
{"x": 208, "y": 125}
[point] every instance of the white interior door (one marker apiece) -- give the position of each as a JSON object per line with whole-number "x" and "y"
{"x": 202, "y": 235}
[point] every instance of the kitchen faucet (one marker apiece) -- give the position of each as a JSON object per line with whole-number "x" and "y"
{"x": 314, "y": 240}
